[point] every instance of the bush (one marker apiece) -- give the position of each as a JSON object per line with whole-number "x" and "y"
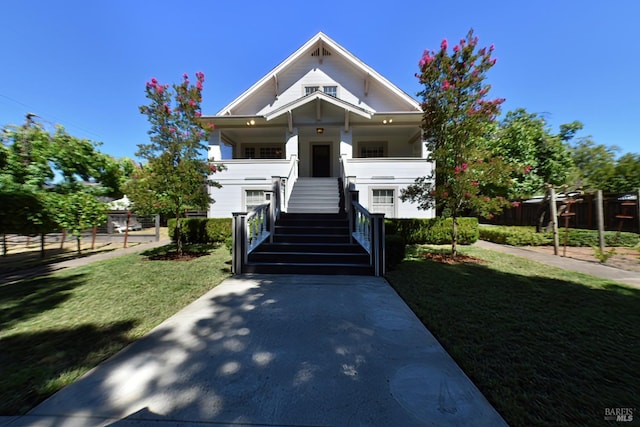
{"x": 201, "y": 230}
{"x": 394, "y": 249}
{"x": 435, "y": 231}
{"x": 526, "y": 236}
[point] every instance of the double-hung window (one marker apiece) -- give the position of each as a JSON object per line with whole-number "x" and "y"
{"x": 383, "y": 201}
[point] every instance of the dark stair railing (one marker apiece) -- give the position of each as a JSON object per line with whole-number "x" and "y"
{"x": 267, "y": 240}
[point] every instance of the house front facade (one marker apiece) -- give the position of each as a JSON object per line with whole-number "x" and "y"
{"x": 321, "y": 114}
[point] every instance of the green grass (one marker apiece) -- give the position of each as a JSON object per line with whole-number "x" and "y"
{"x": 54, "y": 329}
{"x": 546, "y": 346}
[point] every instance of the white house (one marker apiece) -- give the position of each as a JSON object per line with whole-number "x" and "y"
{"x": 321, "y": 113}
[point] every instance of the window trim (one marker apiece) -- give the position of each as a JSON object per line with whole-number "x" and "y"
{"x": 258, "y": 146}
{"x": 364, "y": 144}
{"x": 395, "y": 190}
{"x": 244, "y": 196}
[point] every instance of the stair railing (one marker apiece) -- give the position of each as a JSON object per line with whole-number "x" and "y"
{"x": 287, "y": 182}
{"x": 367, "y": 229}
{"x": 251, "y": 229}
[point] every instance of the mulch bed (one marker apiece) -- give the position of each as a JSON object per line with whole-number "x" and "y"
{"x": 449, "y": 259}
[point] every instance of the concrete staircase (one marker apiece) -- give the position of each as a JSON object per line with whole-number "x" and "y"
{"x": 307, "y": 243}
{"x": 315, "y": 195}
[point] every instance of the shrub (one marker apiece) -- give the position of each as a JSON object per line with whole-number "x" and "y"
{"x": 395, "y": 250}
{"x": 526, "y": 236}
{"x": 435, "y": 231}
{"x": 201, "y": 230}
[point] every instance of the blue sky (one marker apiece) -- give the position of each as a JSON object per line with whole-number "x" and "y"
{"x": 84, "y": 64}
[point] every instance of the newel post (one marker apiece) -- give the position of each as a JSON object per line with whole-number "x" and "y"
{"x": 353, "y": 197}
{"x": 377, "y": 244}
{"x": 239, "y": 236}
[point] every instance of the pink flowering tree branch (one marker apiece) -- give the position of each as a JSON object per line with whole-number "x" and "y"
{"x": 177, "y": 174}
{"x": 458, "y": 119}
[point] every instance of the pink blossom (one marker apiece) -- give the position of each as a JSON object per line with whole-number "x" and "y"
{"x": 185, "y": 76}
{"x": 192, "y": 103}
{"x": 462, "y": 42}
{"x": 527, "y": 169}
{"x": 443, "y": 45}
{"x": 200, "y": 76}
{"x": 482, "y": 51}
{"x": 446, "y": 85}
{"x": 464, "y": 167}
{"x": 198, "y": 114}
{"x": 212, "y": 168}
{"x": 159, "y": 88}
{"x": 457, "y": 169}
{"x": 491, "y": 48}
{"x": 480, "y": 160}
{"x": 456, "y": 48}
{"x": 516, "y": 204}
{"x": 467, "y": 195}
{"x": 490, "y": 216}
{"x": 493, "y": 62}
{"x": 487, "y": 199}
{"x": 154, "y": 80}
{"x": 211, "y": 126}
{"x": 475, "y": 183}
{"x": 445, "y": 194}
{"x": 199, "y": 85}
{"x": 172, "y": 130}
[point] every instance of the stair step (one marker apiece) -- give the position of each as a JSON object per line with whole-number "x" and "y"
{"x": 309, "y": 268}
{"x": 307, "y": 247}
{"x": 310, "y": 257}
{"x": 305, "y": 238}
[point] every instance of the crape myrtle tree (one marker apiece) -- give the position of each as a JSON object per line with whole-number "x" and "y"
{"x": 457, "y": 121}
{"x": 175, "y": 176}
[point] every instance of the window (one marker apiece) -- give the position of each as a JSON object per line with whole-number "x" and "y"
{"x": 262, "y": 152}
{"x": 373, "y": 149}
{"x": 383, "y": 201}
{"x": 331, "y": 90}
{"x": 308, "y": 90}
{"x": 253, "y": 199}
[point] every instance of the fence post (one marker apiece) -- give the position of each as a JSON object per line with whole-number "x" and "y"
{"x": 157, "y": 221}
{"x": 353, "y": 197}
{"x": 600, "y": 220}
{"x": 239, "y": 230}
{"x": 554, "y": 218}
{"x": 377, "y": 244}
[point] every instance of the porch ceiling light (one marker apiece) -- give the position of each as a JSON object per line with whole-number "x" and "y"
{"x": 251, "y": 122}
{"x": 319, "y": 131}
{"x": 387, "y": 121}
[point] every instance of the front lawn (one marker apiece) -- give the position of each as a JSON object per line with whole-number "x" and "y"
{"x": 545, "y": 346}
{"x": 54, "y": 329}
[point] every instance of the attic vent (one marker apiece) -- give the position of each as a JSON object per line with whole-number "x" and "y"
{"x": 325, "y": 52}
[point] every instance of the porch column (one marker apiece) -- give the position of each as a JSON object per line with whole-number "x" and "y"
{"x": 346, "y": 143}
{"x": 215, "y": 151}
{"x": 425, "y": 150}
{"x": 291, "y": 148}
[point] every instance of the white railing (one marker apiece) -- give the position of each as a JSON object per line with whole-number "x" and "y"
{"x": 289, "y": 181}
{"x": 252, "y": 229}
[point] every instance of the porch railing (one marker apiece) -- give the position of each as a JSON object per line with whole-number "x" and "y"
{"x": 251, "y": 229}
{"x": 365, "y": 227}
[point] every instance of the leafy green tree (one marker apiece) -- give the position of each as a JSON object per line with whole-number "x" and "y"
{"x": 538, "y": 156}
{"x": 595, "y": 165}
{"x": 31, "y": 198}
{"x": 626, "y": 174}
{"x": 176, "y": 176}
{"x": 458, "y": 118}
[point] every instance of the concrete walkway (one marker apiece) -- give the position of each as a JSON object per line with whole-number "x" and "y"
{"x": 594, "y": 268}
{"x": 277, "y": 350}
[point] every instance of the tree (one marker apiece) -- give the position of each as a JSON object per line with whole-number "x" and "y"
{"x": 595, "y": 165}
{"x": 538, "y": 156}
{"x": 175, "y": 176}
{"x": 456, "y": 123}
{"x": 36, "y": 203}
{"x": 626, "y": 174}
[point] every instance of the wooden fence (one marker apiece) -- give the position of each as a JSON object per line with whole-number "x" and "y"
{"x": 620, "y": 212}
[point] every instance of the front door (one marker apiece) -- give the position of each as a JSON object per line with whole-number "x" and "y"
{"x": 321, "y": 160}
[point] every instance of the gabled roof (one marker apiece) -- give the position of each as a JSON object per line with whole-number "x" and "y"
{"x": 320, "y": 43}
{"x": 315, "y": 97}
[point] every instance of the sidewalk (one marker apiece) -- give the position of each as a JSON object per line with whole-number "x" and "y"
{"x": 277, "y": 350}
{"x": 597, "y": 269}
{"x": 76, "y": 262}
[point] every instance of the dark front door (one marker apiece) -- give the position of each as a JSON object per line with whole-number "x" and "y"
{"x": 321, "y": 161}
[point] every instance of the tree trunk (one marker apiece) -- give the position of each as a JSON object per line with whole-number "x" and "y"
{"x": 93, "y": 238}
{"x": 42, "y": 238}
{"x": 64, "y": 235}
{"x": 79, "y": 245}
{"x": 454, "y": 237}
{"x": 4, "y": 245}
{"x": 179, "y": 235}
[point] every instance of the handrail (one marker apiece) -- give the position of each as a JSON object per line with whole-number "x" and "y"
{"x": 251, "y": 229}
{"x": 368, "y": 230}
{"x": 289, "y": 181}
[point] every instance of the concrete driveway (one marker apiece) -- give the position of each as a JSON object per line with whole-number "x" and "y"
{"x": 278, "y": 350}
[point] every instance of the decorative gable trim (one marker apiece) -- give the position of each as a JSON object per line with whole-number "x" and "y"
{"x": 319, "y": 46}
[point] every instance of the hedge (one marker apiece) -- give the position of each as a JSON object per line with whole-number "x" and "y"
{"x": 201, "y": 230}
{"x": 395, "y": 250}
{"x": 435, "y": 231}
{"x": 527, "y": 236}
